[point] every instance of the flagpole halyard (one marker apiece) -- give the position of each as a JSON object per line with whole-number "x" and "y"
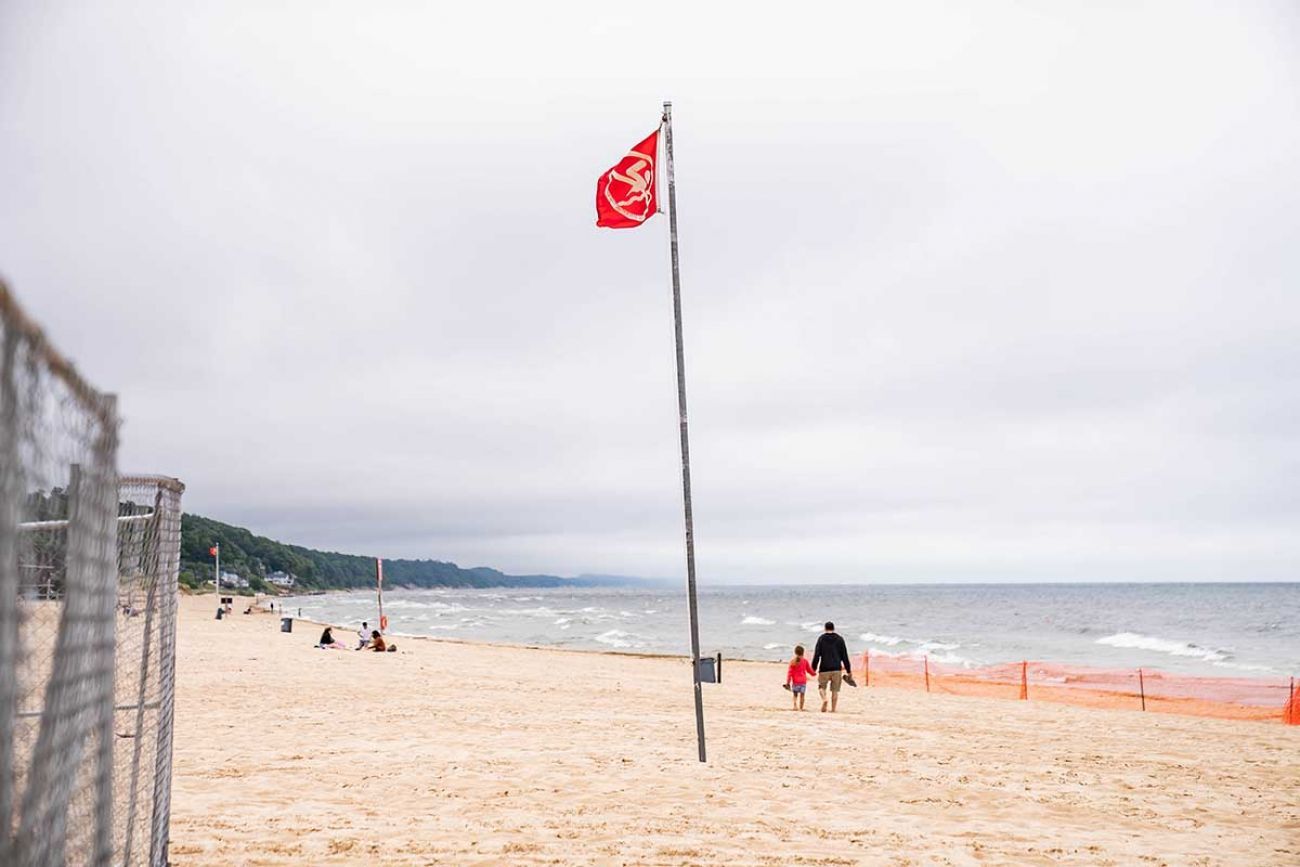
{"x": 685, "y": 440}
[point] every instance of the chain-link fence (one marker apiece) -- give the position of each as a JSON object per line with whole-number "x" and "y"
{"x": 87, "y": 621}
{"x": 148, "y": 549}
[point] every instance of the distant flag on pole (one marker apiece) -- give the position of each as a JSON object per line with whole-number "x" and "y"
{"x": 625, "y": 195}
{"x": 212, "y": 552}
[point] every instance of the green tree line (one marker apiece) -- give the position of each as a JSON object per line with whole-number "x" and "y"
{"x": 254, "y": 557}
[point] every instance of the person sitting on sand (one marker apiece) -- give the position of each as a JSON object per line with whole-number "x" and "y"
{"x": 327, "y": 641}
{"x": 377, "y": 642}
{"x": 796, "y": 677}
{"x": 363, "y": 636}
{"x": 831, "y": 659}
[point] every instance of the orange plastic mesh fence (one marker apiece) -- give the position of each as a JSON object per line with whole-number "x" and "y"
{"x": 1275, "y": 700}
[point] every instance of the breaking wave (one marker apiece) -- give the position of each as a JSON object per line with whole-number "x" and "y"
{"x": 1135, "y": 641}
{"x": 616, "y": 638}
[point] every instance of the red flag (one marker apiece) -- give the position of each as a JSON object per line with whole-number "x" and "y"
{"x": 212, "y": 552}
{"x": 625, "y": 195}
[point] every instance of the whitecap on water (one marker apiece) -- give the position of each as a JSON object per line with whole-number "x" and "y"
{"x": 540, "y": 611}
{"x": 441, "y": 606}
{"x": 946, "y": 658}
{"x": 616, "y": 638}
{"x": 1135, "y": 641}
{"x": 922, "y": 652}
{"x": 404, "y": 603}
{"x": 757, "y": 621}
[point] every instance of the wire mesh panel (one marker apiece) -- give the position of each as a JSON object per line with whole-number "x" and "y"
{"x": 148, "y": 560}
{"x": 58, "y": 494}
{"x": 87, "y": 621}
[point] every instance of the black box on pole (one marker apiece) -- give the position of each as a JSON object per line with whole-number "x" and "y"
{"x": 709, "y": 670}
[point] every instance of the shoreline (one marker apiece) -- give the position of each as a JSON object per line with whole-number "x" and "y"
{"x": 1155, "y": 670}
{"x": 476, "y": 642}
{"x": 953, "y": 683}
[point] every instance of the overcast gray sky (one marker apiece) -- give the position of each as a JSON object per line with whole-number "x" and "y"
{"x": 972, "y": 291}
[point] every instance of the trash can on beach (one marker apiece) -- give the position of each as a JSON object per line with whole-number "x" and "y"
{"x": 286, "y": 624}
{"x": 709, "y": 669}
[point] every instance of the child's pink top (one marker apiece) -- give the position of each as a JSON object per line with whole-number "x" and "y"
{"x": 799, "y": 671}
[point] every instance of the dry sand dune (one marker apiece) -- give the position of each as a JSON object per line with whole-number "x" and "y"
{"x": 450, "y": 753}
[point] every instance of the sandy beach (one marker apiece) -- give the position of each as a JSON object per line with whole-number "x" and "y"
{"x": 455, "y": 753}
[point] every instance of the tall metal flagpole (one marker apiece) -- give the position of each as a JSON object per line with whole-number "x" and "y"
{"x": 686, "y": 448}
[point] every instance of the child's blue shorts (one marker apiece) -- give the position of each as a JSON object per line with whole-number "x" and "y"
{"x": 798, "y": 688}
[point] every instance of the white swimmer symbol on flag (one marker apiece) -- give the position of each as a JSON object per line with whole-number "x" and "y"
{"x": 635, "y": 198}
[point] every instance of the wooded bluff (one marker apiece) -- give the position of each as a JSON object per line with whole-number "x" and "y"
{"x": 254, "y": 557}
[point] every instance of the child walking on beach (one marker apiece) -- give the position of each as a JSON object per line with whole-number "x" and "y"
{"x": 796, "y": 677}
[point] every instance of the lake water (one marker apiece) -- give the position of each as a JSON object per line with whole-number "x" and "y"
{"x": 1209, "y": 629}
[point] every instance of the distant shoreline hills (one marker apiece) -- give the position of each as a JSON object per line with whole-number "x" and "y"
{"x": 261, "y": 563}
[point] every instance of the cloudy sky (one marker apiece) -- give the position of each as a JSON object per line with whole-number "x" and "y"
{"x": 972, "y": 291}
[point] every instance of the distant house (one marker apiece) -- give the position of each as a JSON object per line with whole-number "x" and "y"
{"x": 232, "y": 579}
{"x": 281, "y": 579}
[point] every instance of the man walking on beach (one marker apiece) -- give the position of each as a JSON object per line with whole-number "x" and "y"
{"x": 831, "y": 659}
